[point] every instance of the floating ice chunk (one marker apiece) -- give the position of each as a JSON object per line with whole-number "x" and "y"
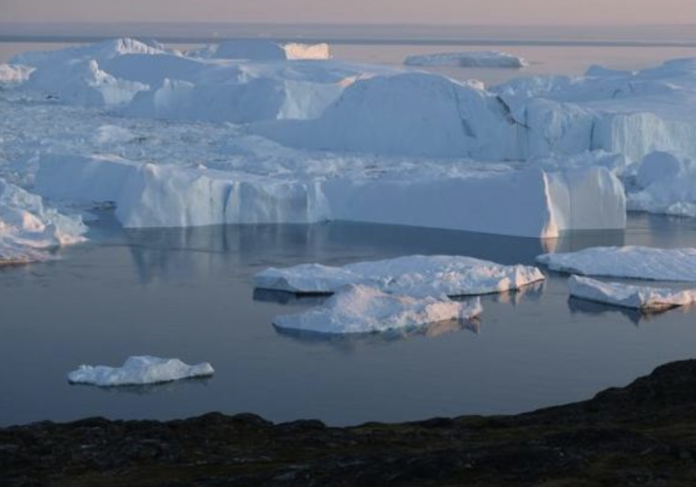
{"x": 473, "y": 59}
{"x": 364, "y": 309}
{"x": 629, "y": 262}
{"x": 139, "y": 371}
{"x": 14, "y": 74}
{"x": 414, "y": 275}
{"x": 27, "y": 227}
{"x": 630, "y": 296}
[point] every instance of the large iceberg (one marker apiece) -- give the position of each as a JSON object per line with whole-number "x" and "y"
{"x": 28, "y": 228}
{"x": 471, "y": 59}
{"x": 628, "y": 262}
{"x": 548, "y": 204}
{"x": 142, "y": 370}
{"x": 364, "y": 309}
{"x": 630, "y": 296}
{"x": 413, "y": 275}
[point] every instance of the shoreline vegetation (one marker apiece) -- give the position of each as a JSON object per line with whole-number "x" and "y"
{"x": 641, "y": 434}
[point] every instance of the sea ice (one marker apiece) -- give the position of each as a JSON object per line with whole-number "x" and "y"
{"x": 414, "y": 275}
{"x": 627, "y": 262}
{"x": 630, "y": 296}
{"x": 473, "y": 59}
{"x": 14, "y": 74}
{"x": 139, "y": 371}
{"x": 28, "y": 228}
{"x": 364, "y": 309}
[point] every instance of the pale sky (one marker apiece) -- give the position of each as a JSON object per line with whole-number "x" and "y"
{"x": 489, "y": 12}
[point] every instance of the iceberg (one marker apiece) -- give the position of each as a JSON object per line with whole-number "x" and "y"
{"x": 141, "y": 370}
{"x": 664, "y": 184}
{"x": 28, "y": 228}
{"x": 415, "y": 114}
{"x": 151, "y": 195}
{"x": 472, "y": 59}
{"x": 630, "y": 296}
{"x": 359, "y": 309}
{"x": 416, "y": 275}
{"x": 14, "y": 74}
{"x": 627, "y": 262}
{"x": 263, "y": 50}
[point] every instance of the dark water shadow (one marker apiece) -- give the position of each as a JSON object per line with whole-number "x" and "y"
{"x": 289, "y": 298}
{"x": 352, "y": 341}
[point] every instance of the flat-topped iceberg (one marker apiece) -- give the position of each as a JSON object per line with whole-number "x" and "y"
{"x": 630, "y": 296}
{"x": 263, "y": 50}
{"x": 547, "y": 204}
{"x": 628, "y": 262}
{"x": 364, "y": 309}
{"x": 416, "y": 275}
{"x": 470, "y": 59}
{"x": 140, "y": 370}
{"x": 28, "y": 228}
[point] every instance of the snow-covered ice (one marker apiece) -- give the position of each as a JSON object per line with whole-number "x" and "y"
{"x": 628, "y": 262}
{"x": 471, "y": 59}
{"x": 264, "y": 50}
{"x": 365, "y": 309}
{"x": 140, "y": 370}
{"x": 665, "y": 183}
{"x": 416, "y": 275}
{"x": 630, "y": 296}
{"x": 13, "y": 74}
{"x": 28, "y": 228}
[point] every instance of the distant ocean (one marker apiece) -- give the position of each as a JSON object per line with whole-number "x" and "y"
{"x": 550, "y": 50}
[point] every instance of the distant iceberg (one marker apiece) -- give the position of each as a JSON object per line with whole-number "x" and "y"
{"x": 413, "y": 275}
{"x": 364, "y": 309}
{"x": 628, "y": 262}
{"x": 141, "y": 370}
{"x": 630, "y": 296}
{"x": 472, "y": 59}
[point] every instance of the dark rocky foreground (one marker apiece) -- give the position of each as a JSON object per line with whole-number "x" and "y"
{"x": 644, "y": 434}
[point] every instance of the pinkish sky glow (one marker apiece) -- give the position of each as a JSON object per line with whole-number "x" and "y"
{"x": 488, "y": 12}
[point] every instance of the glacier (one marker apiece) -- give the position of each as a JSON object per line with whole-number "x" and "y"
{"x": 645, "y": 298}
{"x": 358, "y": 309}
{"x": 139, "y": 370}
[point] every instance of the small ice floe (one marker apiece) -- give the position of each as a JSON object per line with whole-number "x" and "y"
{"x": 644, "y": 298}
{"x": 472, "y": 59}
{"x": 631, "y": 262}
{"x": 360, "y": 309}
{"x": 139, "y": 371}
{"x": 413, "y": 275}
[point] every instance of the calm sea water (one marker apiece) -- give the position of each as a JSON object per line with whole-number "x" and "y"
{"x": 188, "y": 294}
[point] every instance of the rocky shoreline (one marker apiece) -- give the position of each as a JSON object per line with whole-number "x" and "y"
{"x": 643, "y": 434}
